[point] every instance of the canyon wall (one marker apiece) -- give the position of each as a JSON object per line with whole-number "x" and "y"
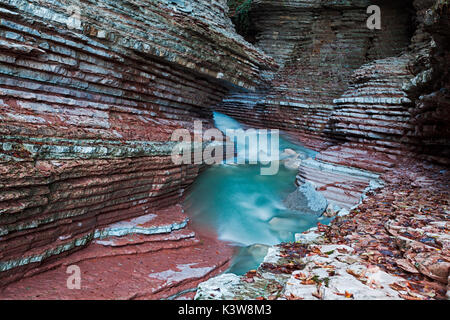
{"x": 364, "y": 98}
{"x": 399, "y": 105}
{"x": 383, "y": 101}
{"x": 430, "y": 88}
{"x": 90, "y": 93}
{"x": 318, "y": 45}
{"x": 381, "y": 91}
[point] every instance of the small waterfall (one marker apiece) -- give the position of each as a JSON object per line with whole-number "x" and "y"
{"x": 245, "y": 207}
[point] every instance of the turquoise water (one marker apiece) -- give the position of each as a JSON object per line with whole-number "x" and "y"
{"x": 245, "y": 207}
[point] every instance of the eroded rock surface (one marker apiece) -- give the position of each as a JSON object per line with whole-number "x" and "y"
{"x": 90, "y": 93}
{"x": 383, "y": 92}
{"x": 306, "y": 200}
{"x": 342, "y": 186}
{"x": 132, "y": 267}
{"x": 328, "y": 272}
{"x": 392, "y": 246}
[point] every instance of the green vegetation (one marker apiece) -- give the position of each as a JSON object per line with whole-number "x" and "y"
{"x": 239, "y": 13}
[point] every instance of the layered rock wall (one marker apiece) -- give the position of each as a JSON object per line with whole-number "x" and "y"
{"x": 90, "y": 93}
{"x": 318, "y": 45}
{"x": 383, "y": 91}
{"x": 400, "y": 105}
{"x": 374, "y": 110}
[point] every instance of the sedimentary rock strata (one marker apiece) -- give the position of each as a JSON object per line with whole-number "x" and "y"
{"x": 393, "y": 246}
{"x": 90, "y": 93}
{"x": 374, "y": 110}
{"x": 367, "y": 97}
{"x": 318, "y": 45}
{"x": 149, "y": 257}
{"x": 379, "y": 91}
{"x": 398, "y": 105}
{"x": 342, "y": 186}
{"x": 429, "y": 89}
{"x": 389, "y": 103}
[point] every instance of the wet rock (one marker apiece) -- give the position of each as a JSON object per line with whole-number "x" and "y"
{"x": 291, "y": 159}
{"x": 247, "y": 257}
{"x": 88, "y": 103}
{"x": 342, "y": 186}
{"x": 290, "y": 153}
{"x": 292, "y": 164}
{"x": 218, "y": 288}
{"x": 331, "y": 272}
{"x": 132, "y": 267}
{"x": 394, "y": 245}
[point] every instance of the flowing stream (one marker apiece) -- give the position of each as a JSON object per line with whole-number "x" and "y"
{"x": 246, "y": 208}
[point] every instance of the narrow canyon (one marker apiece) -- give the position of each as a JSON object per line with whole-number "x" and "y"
{"x": 91, "y": 93}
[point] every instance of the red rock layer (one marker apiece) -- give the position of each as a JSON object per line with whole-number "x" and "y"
{"x": 60, "y": 205}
